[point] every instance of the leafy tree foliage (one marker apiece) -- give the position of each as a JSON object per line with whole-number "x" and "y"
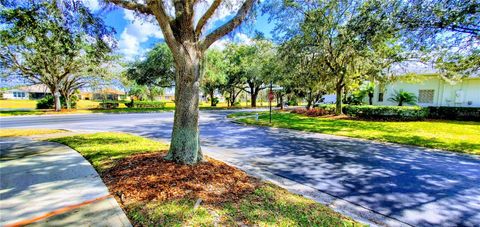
{"x": 52, "y": 43}
{"x": 444, "y": 32}
{"x": 345, "y": 38}
{"x": 214, "y": 77}
{"x": 156, "y": 70}
{"x": 402, "y": 97}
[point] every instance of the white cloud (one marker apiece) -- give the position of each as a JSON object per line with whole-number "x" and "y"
{"x": 239, "y": 38}
{"x": 138, "y": 31}
{"x": 242, "y": 38}
{"x": 226, "y": 9}
{"x": 93, "y": 5}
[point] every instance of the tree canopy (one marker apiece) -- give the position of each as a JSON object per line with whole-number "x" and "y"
{"x": 52, "y": 43}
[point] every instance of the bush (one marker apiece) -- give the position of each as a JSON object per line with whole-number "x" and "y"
{"x": 108, "y": 104}
{"x": 454, "y": 113}
{"x": 321, "y": 110}
{"x": 292, "y": 102}
{"x": 299, "y": 111}
{"x": 316, "y": 112}
{"x": 48, "y": 102}
{"x": 401, "y": 113}
{"x": 146, "y": 104}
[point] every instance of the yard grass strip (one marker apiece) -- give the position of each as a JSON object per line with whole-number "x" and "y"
{"x": 10, "y": 132}
{"x": 155, "y": 192}
{"x": 458, "y": 136}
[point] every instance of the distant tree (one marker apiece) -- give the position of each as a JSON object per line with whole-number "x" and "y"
{"x": 259, "y": 66}
{"x": 52, "y": 42}
{"x": 402, "y": 97}
{"x": 235, "y": 80}
{"x": 188, "y": 40}
{"x": 344, "y": 34}
{"x": 156, "y": 70}
{"x": 303, "y": 73}
{"x": 215, "y": 76}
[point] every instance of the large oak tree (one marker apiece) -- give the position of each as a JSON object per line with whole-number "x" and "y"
{"x": 188, "y": 43}
{"x": 54, "y": 43}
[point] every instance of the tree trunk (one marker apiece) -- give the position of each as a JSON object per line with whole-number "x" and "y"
{"x": 212, "y": 103}
{"x": 338, "y": 102}
{"x": 56, "y": 95}
{"x": 185, "y": 142}
{"x": 281, "y": 101}
{"x": 370, "y": 98}
{"x": 67, "y": 101}
{"x": 253, "y": 97}
{"x": 309, "y": 100}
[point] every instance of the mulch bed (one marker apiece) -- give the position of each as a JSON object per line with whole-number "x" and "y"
{"x": 146, "y": 177}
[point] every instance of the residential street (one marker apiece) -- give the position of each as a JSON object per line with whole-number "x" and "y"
{"x": 410, "y": 185}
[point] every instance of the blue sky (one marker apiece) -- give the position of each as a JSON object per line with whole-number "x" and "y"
{"x": 135, "y": 35}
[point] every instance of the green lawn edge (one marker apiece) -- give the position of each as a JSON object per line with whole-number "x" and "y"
{"x": 456, "y": 136}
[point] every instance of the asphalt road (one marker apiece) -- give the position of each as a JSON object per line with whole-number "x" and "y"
{"x": 413, "y": 185}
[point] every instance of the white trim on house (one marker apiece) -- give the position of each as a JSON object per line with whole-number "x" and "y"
{"x": 431, "y": 90}
{"x": 16, "y": 94}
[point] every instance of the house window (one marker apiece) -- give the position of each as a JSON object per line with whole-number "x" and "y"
{"x": 18, "y": 94}
{"x": 425, "y": 96}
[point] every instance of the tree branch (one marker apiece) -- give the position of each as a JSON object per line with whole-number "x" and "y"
{"x": 138, "y": 7}
{"x": 229, "y": 26}
{"x": 165, "y": 24}
{"x": 204, "y": 19}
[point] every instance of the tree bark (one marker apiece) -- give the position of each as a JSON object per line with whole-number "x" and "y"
{"x": 370, "y": 98}
{"x": 212, "y": 103}
{"x": 56, "y": 96}
{"x": 338, "y": 102}
{"x": 185, "y": 142}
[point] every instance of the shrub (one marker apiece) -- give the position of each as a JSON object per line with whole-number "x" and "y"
{"x": 146, "y": 104}
{"x": 401, "y": 113}
{"x": 454, "y": 113}
{"x": 48, "y": 102}
{"x": 316, "y": 112}
{"x": 292, "y": 102}
{"x": 402, "y": 97}
{"x": 299, "y": 111}
{"x": 108, "y": 104}
{"x": 321, "y": 110}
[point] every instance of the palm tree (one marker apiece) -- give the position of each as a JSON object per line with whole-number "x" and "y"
{"x": 370, "y": 90}
{"x": 402, "y": 97}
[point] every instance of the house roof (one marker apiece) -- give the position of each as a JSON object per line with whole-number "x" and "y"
{"x": 36, "y": 88}
{"x": 104, "y": 91}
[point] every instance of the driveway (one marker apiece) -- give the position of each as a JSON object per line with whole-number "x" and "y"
{"x": 49, "y": 184}
{"x": 411, "y": 185}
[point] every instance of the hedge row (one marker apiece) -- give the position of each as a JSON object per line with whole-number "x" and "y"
{"x": 145, "y": 104}
{"x": 454, "y": 113}
{"x": 108, "y": 104}
{"x": 399, "y": 113}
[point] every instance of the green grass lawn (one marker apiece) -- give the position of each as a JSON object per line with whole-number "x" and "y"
{"x": 8, "y": 113}
{"x": 10, "y": 132}
{"x": 267, "y": 205}
{"x": 459, "y": 136}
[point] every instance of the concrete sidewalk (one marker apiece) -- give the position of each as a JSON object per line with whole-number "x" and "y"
{"x": 46, "y": 183}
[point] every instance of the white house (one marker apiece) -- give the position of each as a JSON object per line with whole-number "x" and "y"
{"x": 27, "y": 92}
{"x": 432, "y": 90}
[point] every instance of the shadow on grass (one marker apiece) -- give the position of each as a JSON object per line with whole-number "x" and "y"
{"x": 102, "y": 149}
